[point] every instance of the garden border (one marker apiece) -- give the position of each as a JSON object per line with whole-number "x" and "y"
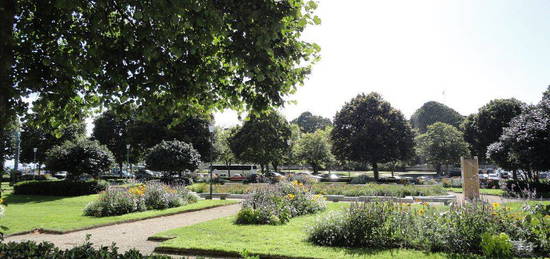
{"x": 212, "y": 252}
{"x": 446, "y": 199}
{"x": 61, "y": 232}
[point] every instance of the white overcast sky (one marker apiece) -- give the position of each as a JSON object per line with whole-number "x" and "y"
{"x": 459, "y": 52}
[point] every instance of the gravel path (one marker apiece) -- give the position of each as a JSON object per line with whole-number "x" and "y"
{"x": 133, "y": 234}
{"x": 487, "y": 198}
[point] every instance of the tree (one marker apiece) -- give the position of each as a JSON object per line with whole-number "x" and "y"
{"x": 525, "y": 144}
{"x": 163, "y": 56}
{"x": 368, "y": 130}
{"x": 111, "y": 130}
{"x": 43, "y": 138}
{"x": 222, "y": 148}
{"x": 263, "y": 139}
{"x": 310, "y": 123}
{"x": 80, "y": 156}
{"x": 172, "y": 156}
{"x": 8, "y": 143}
{"x": 144, "y": 134}
{"x": 485, "y": 127}
{"x": 442, "y": 144}
{"x": 432, "y": 112}
{"x": 315, "y": 149}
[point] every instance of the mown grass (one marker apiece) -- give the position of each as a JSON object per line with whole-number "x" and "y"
{"x": 394, "y": 190}
{"x": 497, "y": 192}
{"x": 28, "y": 212}
{"x": 223, "y": 237}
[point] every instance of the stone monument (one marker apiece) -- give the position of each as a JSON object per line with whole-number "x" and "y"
{"x": 470, "y": 178}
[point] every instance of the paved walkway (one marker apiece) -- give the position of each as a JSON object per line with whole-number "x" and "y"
{"x": 133, "y": 234}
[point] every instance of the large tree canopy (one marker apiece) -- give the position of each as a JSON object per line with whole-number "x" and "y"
{"x": 432, "y": 112}
{"x": 369, "y": 130}
{"x": 163, "y": 56}
{"x": 263, "y": 139}
{"x": 442, "y": 144}
{"x": 315, "y": 149}
{"x": 310, "y": 123}
{"x": 485, "y": 127}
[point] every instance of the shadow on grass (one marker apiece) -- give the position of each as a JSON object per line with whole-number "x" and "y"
{"x": 23, "y": 199}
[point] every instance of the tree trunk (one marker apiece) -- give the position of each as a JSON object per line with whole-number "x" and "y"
{"x": 438, "y": 169}
{"x": 275, "y": 166}
{"x": 515, "y": 175}
{"x": 7, "y": 20}
{"x": 375, "y": 170}
{"x": 315, "y": 168}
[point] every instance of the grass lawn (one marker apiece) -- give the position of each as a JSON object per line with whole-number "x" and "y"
{"x": 497, "y": 192}
{"x": 28, "y": 212}
{"x": 222, "y": 237}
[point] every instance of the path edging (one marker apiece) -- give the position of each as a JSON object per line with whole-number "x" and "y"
{"x": 216, "y": 253}
{"x": 61, "y": 232}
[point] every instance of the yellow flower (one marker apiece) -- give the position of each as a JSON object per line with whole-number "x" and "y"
{"x": 495, "y": 205}
{"x": 291, "y": 196}
{"x": 420, "y": 211}
{"x": 137, "y": 190}
{"x": 1, "y": 201}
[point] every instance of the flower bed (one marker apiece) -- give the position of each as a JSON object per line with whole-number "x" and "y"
{"x": 478, "y": 228}
{"x": 139, "y": 198}
{"x": 276, "y": 204}
{"x": 354, "y": 190}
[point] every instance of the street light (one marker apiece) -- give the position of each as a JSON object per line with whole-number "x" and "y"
{"x": 211, "y": 130}
{"x": 35, "y": 165}
{"x": 128, "y": 158}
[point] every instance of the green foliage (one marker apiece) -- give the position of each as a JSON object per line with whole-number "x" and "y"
{"x": 276, "y": 204}
{"x": 111, "y": 130}
{"x": 185, "y": 56}
{"x": 262, "y": 139}
{"x": 372, "y": 189}
{"x": 310, "y": 123}
{"x": 31, "y": 249}
{"x": 59, "y": 188}
{"x": 442, "y": 144}
{"x": 172, "y": 156}
{"x": 525, "y": 143}
{"x": 315, "y": 149}
{"x": 78, "y": 157}
{"x": 469, "y": 228}
{"x": 496, "y": 245}
{"x": 152, "y": 196}
{"x": 222, "y": 147}
{"x": 485, "y": 127}
{"x": 44, "y": 138}
{"x": 432, "y": 112}
{"x": 370, "y": 119}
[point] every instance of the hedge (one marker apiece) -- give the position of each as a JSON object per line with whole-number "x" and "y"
{"x": 59, "y": 188}
{"x": 30, "y": 249}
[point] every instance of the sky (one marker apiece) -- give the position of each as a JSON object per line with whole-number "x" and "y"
{"x": 462, "y": 53}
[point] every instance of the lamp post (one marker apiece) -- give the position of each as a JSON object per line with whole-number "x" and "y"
{"x": 34, "y": 160}
{"x": 128, "y": 158}
{"x": 211, "y": 130}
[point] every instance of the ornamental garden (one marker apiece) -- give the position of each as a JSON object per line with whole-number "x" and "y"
{"x": 107, "y": 119}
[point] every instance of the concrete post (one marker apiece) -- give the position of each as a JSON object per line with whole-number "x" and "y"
{"x": 470, "y": 178}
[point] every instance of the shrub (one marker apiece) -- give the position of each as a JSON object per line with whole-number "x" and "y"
{"x": 362, "y": 179}
{"x": 30, "y": 249}
{"x": 172, "y": 156}
{"x": 59, "y": 188}
{"x": 303, "y": 179}
{"x": 139, "y": 198}
{"x": 471, "y": 228}
{"x": 79, "y": 157}
{"x": 496, "y": 246}
{"x": 377, "y": 190}
{"x": 276, "y": 204}
{"x": 527, "y": 189}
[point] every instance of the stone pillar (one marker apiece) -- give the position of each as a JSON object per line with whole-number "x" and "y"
{"x": 470, "y": 178}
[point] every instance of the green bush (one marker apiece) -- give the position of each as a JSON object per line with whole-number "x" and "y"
{"x": 496, "y": 246}
{"x": 81, "y": 156}
{"x": 276, "y": 204}
{"x": 59, "y": 188}
{"x": 374, "y": 189}
{"x": 139, "y": 198}
{"x": 30, "y": 249}
{"x": 470, "y": 228}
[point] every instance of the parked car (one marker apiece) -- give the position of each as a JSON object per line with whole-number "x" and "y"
{"x": 144, "y": 174}
{"x": 60, "y": 175}
{"x": 330, "y": 178}
{"x": 237, "y": 177}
